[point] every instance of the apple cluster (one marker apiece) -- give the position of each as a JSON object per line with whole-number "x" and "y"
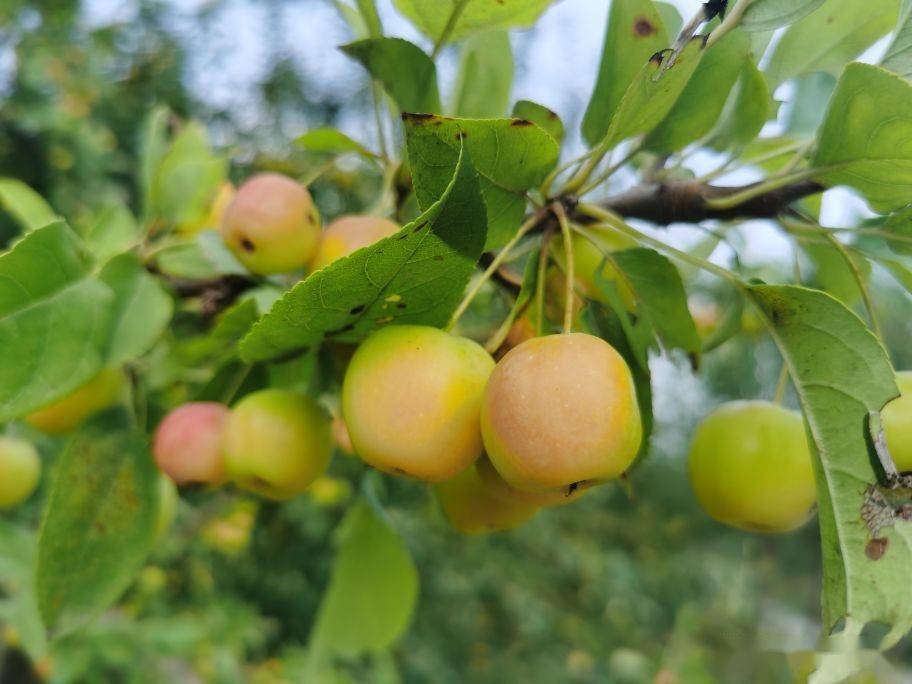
{"x": 273, "y": 442}
{"x": 498, "y": 440}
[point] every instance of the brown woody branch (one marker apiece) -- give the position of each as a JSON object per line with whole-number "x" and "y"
{"x": 688, "y": 202}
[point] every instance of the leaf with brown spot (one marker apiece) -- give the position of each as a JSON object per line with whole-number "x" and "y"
{"x": 100, "y": 521}
{"x": 842, "y": 374}
{"x": 634, "y": 33}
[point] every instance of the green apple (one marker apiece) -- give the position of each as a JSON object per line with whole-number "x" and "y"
{"x": 272, "y": 225}
{"x": 411, "y": 398}
{"x": 188, "y": 443}
{"x": 750, "y": 467}
{"x": 897, "y": 423}
{"x": 560, "y": 412}
{"x": 20, "y": 470}
{"x": 277, "y": 442}
{"x": 63, "y": 416}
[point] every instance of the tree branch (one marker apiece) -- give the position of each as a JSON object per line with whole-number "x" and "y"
{"x": 686, "y": 202}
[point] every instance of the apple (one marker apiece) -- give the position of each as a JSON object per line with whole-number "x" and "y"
{"x": 277, "y": 442}
{"x": 897, "y": 423}
{"x": 64, "y": 415}
{"x": 750, "y": 467}
{"x": 272, "y": 225}
{"x": 188, "y": 443}
{"x": 411, "y": 398}
{"x": 349, "y": 234}
{"x": 560, "y": 412}
{"x": 20, "y": 470}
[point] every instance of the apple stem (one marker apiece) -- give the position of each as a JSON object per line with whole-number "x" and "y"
{"x": 569, "y": 293}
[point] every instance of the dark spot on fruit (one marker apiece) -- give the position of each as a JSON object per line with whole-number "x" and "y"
{"x": 520, "y": 123}
{"x": 876, "y": 548}
{"x": 356, "y": 310}
{"x": 642, "y": 28}
{"x": 572, "y": 488}
{"x": 247, "y": 244}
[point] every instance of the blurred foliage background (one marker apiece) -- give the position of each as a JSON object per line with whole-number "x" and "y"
{"x": 632, "y": 584}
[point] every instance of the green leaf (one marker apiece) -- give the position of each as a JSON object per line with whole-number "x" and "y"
{"x": 18, "y": 602}
{"x": 431, "y": 16}
{"x": 368, "y": 11}
{"x": 373, "y": 589}
{"x": 142, "y": 308}
{"x": 900, "y": 225}
{"x": 510, "y": 155}
{"x": 55, "y": 320}
{"x": 766, "y": 15}
{"x": 331, "y": 141}
{"x": 153, "y": 143}
{"x": 652, "y": 94}
{"x": 99, "y": 523}
{"x": 842, "y": 373}
{"x": 746, "y": 111}
{"x": 114, "y": 232}
{"x": 542, "y": 117}
{"x": 671, "y": 18}
{"x": 828, "y": 39}
{"x": 698, "y": 108}
{"x": 25, "y": 205}
{"x": 485, "y": 76}
{"x": 898, "y": 57}
{"x": 408, "y": 75}
{"x": 866, "y": 139}
{"x": 832, "y": 273}
{"x": 809, "y": 104}
{"x": 660, "y": 296}
{"x": 188, "y": 179}
{"x": 635, "y": 32}
{"x": 415, "y": 276}
{"x": 728, "y": 327}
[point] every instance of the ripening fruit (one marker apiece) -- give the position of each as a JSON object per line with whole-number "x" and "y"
{"x": 20, "y": 469}
{"x": 277, "y": 442}
{"x": 349, "y": 234}
{"x": 560, "y": 412}
{"x": 474, "y": 504}
{"x": 750, "y": 467}
{"x": 897, "y": 423}
{"x": 411, "y": 398}
{"x": 272, "y": 225}
{"x": 188, "y": 443}
{"x": 101, "y": 392}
